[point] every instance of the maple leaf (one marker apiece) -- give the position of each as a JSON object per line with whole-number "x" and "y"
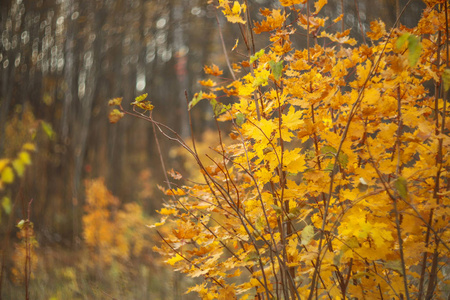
{"x": 292, "y": 2}
{"x": 213, "y": 70}
{"x": 174, "y": 174}
{"x": 318, "y": 5}
{"x": 273, "y": 21}
{"x": 377, "y": 30}
{"x": 208, "y": 83}
{"x": 115, "y": 115}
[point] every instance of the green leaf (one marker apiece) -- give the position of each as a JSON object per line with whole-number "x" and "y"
{"x": 402, "y": 40}
{"x": 48, "y": 129}
{"x": 328, "y": 151}
{"x": 307, "y": 234}
{"x": 446, "y": 79}
{"x": 394, "y": 265}
{"x": 219, "y": 108}
{"x": 6, "y": 204}
{"x": 277, "y": 209}
{"x": 277, "y": 68}
{"x": 7, "y": 175}
{"x": 257, "y": 55}
{"x": 414, "y": 48}
{"x": 260, "y": 80}
{"x": 401, "y": 186}
{"x": 195, "y": 100}
{"x": 240, "y": 119}
{"x": 252, "y": 256}
{"x": 343, "y": 160}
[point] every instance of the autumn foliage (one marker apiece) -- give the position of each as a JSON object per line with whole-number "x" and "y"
{"x": 336, "y": 184}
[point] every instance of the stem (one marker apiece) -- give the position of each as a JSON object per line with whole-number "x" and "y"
{"x": 224, "y": 48}
{"x": 307, "y": 29}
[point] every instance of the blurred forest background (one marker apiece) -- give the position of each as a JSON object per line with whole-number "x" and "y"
{"x": 60, "y": 63}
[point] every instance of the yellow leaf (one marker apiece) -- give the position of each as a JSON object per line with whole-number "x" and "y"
{"x": 176, "y": 192}
{"x": 19, "y": 167}
{"x": 7, "y": 175}
{"x": 29, "y": 147}
{"x": 372, "y": 96}
{"x": 141, "y": 97}
{"x": 235, "y": 45}
{"x": 291, "y": 2}
{"x": 319, "y": 4}
{"x": 167, "y": 211}
{"x": 338, "y": 18}
{"x": 115, "y": 116}
{"x": 3, "y": 163}
{"x": 174, "y": 259}
{"x": 24, "y": 157}
{"x": 115, "y": 101}
{"x": 208, "y": 82}
{"x": 213, "y": 70}
{"x": 377, "y": 30}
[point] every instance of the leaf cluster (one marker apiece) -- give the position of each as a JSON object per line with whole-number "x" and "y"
{"x": 336, "y": 183}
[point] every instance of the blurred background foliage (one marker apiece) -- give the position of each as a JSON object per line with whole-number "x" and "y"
{"x": 60, "y": 63}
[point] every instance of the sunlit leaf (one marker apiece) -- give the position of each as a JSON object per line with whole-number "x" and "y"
{"x": 167, "y": 211}
{"x": 174, "y": 259}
